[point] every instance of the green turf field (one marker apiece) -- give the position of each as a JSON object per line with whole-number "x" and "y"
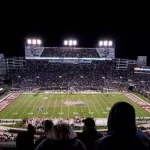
{"x": 94, "y": 105}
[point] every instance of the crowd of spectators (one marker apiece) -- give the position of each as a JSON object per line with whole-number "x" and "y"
{"x": 52, "y": 76}
{"x": 96, "y": 75}
{"x": 75, "y": 122}
{"x": 7, "y": 137}
{"x": 70, "y": 52}
{"x": 143, "y": 81}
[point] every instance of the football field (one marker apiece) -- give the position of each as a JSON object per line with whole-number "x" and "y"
{"x": 65, "y": 106}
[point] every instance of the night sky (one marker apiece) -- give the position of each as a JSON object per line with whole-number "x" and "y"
{"x": 129, "y": 27}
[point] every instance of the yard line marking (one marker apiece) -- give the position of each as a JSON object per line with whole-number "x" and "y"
{"x": 103, "y": 102}
{"x": 94, "y": 106}
{"x": 81, "y": 106}
{"x": 35, "y": 104}
{"x": 87, "y": 106}
{"x": 100, "y": 105}
{"x": 61, "y": 105}
{"x": 14, "y": 106}
{"x": 74, "y": 105}
{"x": 41, "y": 106}
{"x": 109, "y": 100}
{"x": 22, "y": 105}
{"x": 25, "y": 109}
{"x": 55, "y": 105}
{"x": 68, "y": 107}
{"x": 48, "y": 105}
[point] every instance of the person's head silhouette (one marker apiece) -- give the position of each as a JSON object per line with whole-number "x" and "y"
{"x": 122, "y": 119}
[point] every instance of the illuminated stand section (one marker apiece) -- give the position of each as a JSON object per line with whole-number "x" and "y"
{"x": 71, "y": 53}
{"x": 35, "y": 50}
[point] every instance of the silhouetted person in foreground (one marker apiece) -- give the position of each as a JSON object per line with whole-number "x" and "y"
{"x": 61, "y": 137}
{"x": 25, "y": 139}
{"x": 89, "y": 134}
{"x": 47, "y": 125}
{"x": 122, "y": 132}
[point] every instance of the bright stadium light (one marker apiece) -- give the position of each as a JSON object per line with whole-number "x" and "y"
{"x": 100, "y": 43}
{"x": 74, "y": 42}
{"x": 105, "y": 43}
{"x": 110, "y": 43}
{"x": 29, "y": 41}
{"x": 65, "y": 42}
{"x": 70, "y": 43}
{"x": 38, "y": 42}
{"x": 33, "y": 41}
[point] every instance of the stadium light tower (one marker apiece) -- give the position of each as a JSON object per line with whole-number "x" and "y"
{"x": 74, "y": 42}
{"x": 29, "y": 41}
{"x": 34, "y": 41}
{"x": 100, "y": 43}
{"x": 65, "y": 42}
{"x": 39, "y": 42}
{"x": 70, "y": 42}
{"x": 110, "y": 43}
{"x": 105, "y": 43}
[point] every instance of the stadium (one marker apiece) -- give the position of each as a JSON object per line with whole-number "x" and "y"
{"x": 69, "y": 83}
{"x": 65, "y": 82}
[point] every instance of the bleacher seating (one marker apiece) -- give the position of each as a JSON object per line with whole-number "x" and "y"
{"x": 70, "y": 52}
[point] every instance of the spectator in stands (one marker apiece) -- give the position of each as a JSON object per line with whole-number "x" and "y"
{"x": 31, "y": 132}
{"x": 89, "y": 134}
{"x": 47, "y": 125}
{"x": 31, "y": 129}
{"x": 122, "y": 132}
{"x": 61, "y": 137}
{"x": 25, "y": 139}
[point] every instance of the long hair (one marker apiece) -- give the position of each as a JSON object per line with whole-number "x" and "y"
{"x": 61, "y": 132}
{"x": 122, "y": 119}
